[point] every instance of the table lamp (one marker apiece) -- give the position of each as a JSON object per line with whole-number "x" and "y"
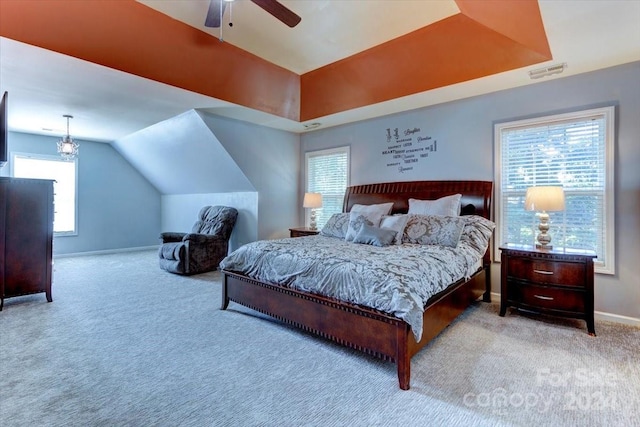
{"x": 544, "y": 199}
{"x": 312, "y": 201}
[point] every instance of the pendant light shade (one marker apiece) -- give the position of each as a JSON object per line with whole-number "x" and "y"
{"x": 67, "y": 147}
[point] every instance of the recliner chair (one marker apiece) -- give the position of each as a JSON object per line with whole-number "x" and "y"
{"x": 202, "y": 249}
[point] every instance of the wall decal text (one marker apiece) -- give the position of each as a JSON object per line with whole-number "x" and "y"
{"x": 406, "y": 148}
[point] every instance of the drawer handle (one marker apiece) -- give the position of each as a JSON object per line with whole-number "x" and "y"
{"x": 549, "y": 273}
{"x": 544, "y": 297}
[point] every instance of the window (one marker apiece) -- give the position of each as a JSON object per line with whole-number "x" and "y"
{"x": 573, "y": 150}
{"x": 327, "y": 174}
{"x": 63, "y": 172}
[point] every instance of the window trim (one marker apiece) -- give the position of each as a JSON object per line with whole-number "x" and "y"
{"x": 16, "y": 154}
{"x": 324, "y": 152}
{"x": 608, "y": 112}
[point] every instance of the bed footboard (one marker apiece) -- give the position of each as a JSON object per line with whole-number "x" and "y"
{"x": 357, "y": 327}
{"x": 363, "y": 329}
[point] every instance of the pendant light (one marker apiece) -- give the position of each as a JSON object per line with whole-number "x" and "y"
{"x": 67, "y": 147}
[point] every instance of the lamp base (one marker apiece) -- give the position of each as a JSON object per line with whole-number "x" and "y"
{"x": 543, "y": 238}
{"x": 313, "y": 225}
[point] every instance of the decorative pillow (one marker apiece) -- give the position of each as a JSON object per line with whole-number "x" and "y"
{"x": 372, "y": 215}
{"x": 395, "y": 223}
{"x": 444, "y": 206}
{"x": 477, "y": 232}
{"x": 355, "y": 223}
{"x": 336, "y": 226}
{"x": 433, "y": 230}
{"x": 375, "y": 236}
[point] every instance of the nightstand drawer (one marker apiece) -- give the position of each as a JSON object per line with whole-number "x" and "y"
{"x": 547, "y": 272}
{"x": 552, "y": 299}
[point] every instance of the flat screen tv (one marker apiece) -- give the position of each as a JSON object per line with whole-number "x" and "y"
{"x": 4, "y": 130}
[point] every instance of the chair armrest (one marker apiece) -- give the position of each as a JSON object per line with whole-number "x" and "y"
{"x": 171, "y": 236}
{"x": 202, "y": 238}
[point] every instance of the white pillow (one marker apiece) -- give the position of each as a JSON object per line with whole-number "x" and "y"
{"x": 372, "y": 214}
{"x": 444, "y": 206}
{"x": 396, "y": 223}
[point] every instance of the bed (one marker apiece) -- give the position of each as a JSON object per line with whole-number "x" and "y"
{"x": 367, "y": 329}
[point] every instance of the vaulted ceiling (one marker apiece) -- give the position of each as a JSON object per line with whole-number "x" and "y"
{"x": 134, "y": 63}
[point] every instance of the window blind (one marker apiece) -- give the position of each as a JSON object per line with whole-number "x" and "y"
{"x": 571, "y": 152}
{"x": 328, "y": 174}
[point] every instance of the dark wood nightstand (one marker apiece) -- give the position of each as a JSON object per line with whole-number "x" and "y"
{"x": 555, "y": 282}
{"x": 303, "y": 231}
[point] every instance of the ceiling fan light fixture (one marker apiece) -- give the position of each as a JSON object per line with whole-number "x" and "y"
{"x": 273, "y": 7}
{"x": 67, "y": 147}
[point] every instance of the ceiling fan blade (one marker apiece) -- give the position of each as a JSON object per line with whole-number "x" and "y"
{"x": 213, "y": 14}
{"x": 278, "y": 10}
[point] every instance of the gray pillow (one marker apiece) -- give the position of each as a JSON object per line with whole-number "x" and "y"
{"x": 336, "y": 226}
{"x": 355, "y": 223}
{"x": 369, "y": 214}
{"x": 396, "y": 223}
{"x": 433, "y": 230}
{"x": 375, "y": 236}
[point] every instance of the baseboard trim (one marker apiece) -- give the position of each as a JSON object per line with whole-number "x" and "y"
{"x": 598, "y": 315}
{"x": 616, "y": 318}
{"x": 107, "y": 251}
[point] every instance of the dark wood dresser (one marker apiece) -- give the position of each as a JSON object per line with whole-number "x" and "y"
{"x": 553, "y": 282}
{"x": 26, "y": 237}
{"x": 303, "y": 231}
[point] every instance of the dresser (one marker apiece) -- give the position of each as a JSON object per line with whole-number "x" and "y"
{"x": 555, "y": 282}
{"x": 302, "y": 231}
{"x": 26, "y": 237}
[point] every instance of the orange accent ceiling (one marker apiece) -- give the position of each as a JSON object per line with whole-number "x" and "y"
{"x": 131, "y": 37}
{"x": 485, "y": 38}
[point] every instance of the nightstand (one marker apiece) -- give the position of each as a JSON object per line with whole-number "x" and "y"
{"x": 303, "y": 231}
{"x": 557, "y": 282}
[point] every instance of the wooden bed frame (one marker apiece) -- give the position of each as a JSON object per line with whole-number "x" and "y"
{"x": 362, "y": 328}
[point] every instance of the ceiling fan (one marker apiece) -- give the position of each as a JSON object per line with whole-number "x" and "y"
{"x": 274, "y": 7}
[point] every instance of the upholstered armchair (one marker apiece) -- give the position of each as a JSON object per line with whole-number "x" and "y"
{"x": 203, "y": 248}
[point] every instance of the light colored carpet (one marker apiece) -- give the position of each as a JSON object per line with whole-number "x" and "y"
{"x": 126, "y": 344}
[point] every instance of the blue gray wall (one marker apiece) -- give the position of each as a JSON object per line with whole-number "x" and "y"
{"x": 117, "y": 207}
{"x": 196, "y": 159}
{"x": 464, "y": 131}
{"x": 218, "y": 161}
{"x": 269, "y": 158}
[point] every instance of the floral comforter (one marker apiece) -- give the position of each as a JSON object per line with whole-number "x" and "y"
{"x": 397, "y": 279}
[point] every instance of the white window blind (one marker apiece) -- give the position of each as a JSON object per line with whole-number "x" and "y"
{"x": 63, "y": 172}
{"x": 574, "y": 151}
{"x": 327, "y": 174}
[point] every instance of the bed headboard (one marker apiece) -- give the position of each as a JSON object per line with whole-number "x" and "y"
{"x": 476, "y": 195}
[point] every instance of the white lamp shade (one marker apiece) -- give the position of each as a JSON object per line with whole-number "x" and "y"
{"x": 312, "y": 200}
{"x": 544, "y": 198}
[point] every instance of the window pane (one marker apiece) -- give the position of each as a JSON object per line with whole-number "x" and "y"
{"x": 328, "y": 174}
{"x": 63, "y": 172}
{"x": 572, "y": 151}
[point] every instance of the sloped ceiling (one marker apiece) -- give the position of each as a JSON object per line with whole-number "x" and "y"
{"x": 181, "y": 155}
